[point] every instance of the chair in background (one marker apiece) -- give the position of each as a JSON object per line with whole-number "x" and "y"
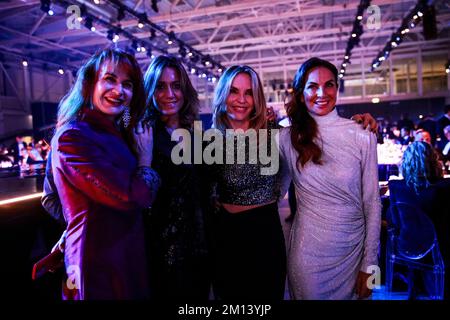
{"x": 412, "y": 242}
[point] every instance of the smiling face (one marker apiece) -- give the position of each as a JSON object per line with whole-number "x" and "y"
{"x": 168, "y": 94}
{"x": 240, "y": 102}
{"x": 113, "y": 90}
{"x": 320, "y": 93}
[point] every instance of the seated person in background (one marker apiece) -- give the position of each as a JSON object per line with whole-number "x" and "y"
{"x": 6, "y": 161}
{"x": 18, "y": 149}
{"x": 422, "y": 135}
{"x": 424, "y": 187}
{"x": 405, "y": 136}
{"x": 443, "y": 122}
{"x": 446, "y": 150}
{"x": 34, "y": 155}
{"x": 429, "y": 125}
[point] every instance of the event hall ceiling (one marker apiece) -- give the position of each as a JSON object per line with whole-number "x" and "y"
{"x": 273, "y": 36}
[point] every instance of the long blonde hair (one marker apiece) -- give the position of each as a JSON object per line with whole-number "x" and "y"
{"x": 258, "y": 118}
{"x": 420, "y": 166}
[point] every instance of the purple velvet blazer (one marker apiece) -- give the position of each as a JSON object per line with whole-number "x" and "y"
{"x": 102, "y": 194}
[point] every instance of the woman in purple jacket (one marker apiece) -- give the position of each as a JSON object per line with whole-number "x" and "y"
{"x": 102, "y": 172}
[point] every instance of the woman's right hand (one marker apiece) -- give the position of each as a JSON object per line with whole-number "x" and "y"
{"x": 143, "y": 139}
{"x": 61, "y": 244}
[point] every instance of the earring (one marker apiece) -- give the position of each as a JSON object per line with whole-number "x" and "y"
{"x": 126, "y": 117}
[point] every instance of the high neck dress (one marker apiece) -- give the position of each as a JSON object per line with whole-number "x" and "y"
{"x": 336, "y": 230}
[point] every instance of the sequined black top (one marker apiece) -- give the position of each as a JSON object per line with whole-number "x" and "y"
{"x": 244, "y": 183}
{"x": 176, "y": 222}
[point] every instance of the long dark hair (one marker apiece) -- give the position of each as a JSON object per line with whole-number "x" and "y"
{"x": 80, "y": 95}
{"x": 304, "y": 129}
{"x": 189, "y": 111}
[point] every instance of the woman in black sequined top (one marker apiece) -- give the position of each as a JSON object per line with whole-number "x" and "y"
{"x": 176, "y": 231}
{"x": 250, "y": 259}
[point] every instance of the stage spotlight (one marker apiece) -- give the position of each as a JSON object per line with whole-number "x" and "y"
{"x": 171, "y": 38}
{"x": 206, "y": 62}
{"x": 149, "y": 53}
{"x": 142, "y": 20}
{"x": 88, "y": 24}
{"x": 45, "y": 6}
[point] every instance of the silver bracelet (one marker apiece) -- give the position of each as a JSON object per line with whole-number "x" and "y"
{"x": 150, "y": 176}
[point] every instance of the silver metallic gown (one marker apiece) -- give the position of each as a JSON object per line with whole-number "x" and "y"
{"x": 336, "y": 230}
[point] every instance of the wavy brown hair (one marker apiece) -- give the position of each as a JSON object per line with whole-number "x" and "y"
{"x": 304, "y": 131}
{"x": 189, "y": 111}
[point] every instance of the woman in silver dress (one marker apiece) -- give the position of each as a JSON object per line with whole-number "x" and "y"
{"x": 333, "y": 163}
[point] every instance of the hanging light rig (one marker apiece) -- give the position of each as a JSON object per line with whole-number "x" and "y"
{"x": 410, "y": 21}
{"x": 188, "y": 54}
{"x": 355, "y": 36}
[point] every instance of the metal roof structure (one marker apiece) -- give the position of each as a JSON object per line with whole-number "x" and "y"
{"x": 273, "y": 36}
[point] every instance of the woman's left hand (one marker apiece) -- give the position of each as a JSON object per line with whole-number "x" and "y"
{"x": 367, "y": 120}
{"x": 362, "y": 290}
{"x": 271, "y": 116}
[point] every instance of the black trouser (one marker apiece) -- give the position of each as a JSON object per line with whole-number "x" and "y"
{"x": 250, "y": 255}
{"x": 188, "y": 280}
